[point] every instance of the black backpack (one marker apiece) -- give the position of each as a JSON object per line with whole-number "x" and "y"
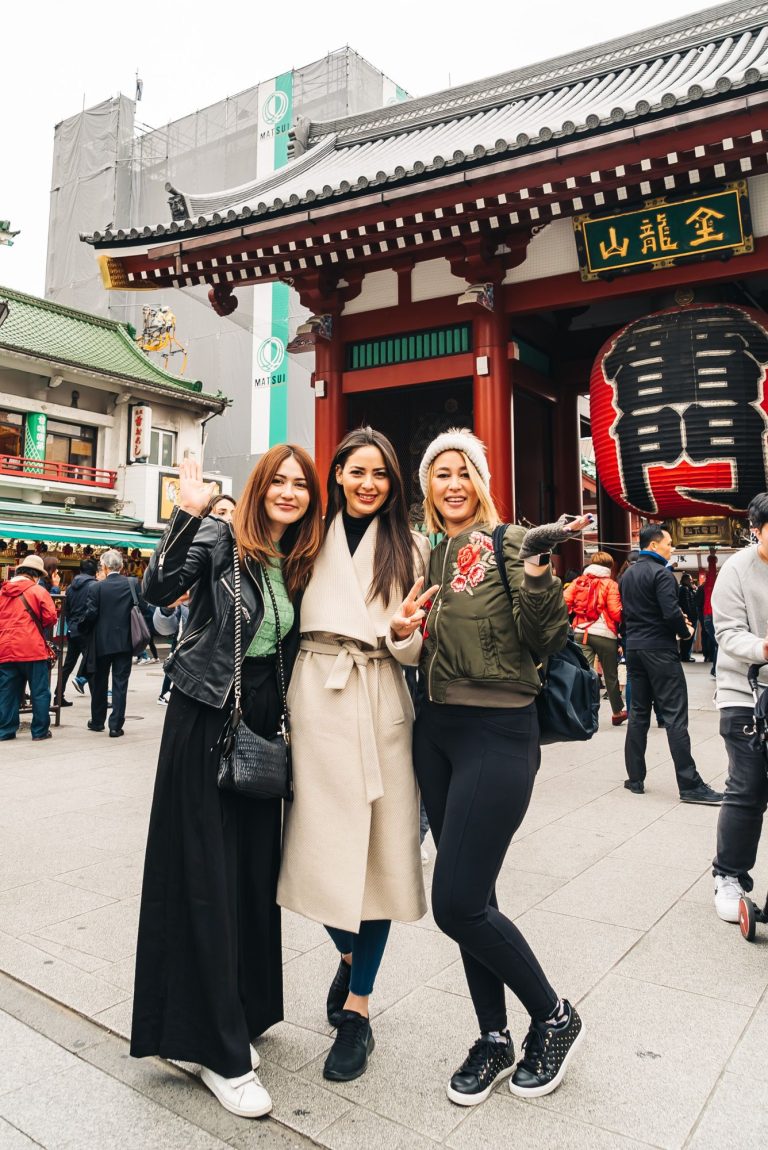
{"x": 569, "y": 701}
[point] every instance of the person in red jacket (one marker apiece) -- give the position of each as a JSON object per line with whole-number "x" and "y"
{"x": 26, "y": 609}
{"x": 594, "y": 604}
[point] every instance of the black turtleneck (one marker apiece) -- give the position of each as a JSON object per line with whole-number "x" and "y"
{"x": 355, "y": 528}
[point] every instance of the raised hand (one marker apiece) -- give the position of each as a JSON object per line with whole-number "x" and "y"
{"x": 542, "y": 539}
{"x": 409, "y": 615}
{"x": 194, "y": 495}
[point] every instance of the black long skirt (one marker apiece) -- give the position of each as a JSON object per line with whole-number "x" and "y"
{"x": 208, "y": 962}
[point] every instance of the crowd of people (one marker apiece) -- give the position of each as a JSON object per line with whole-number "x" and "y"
{"x": 342, "y": 605}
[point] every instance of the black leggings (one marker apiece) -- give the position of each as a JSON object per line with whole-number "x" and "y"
{"x": 476, "y": 767}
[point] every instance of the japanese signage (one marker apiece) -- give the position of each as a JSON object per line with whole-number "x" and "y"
{"x": 168, "y": 494}
{"x": 141, "y": 433}
{"x": 35, "y": 431}
{"x": 680, "y": 413}
{"x": 664, "y": 232}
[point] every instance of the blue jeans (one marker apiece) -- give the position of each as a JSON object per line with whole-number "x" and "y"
{"x": 13, "y": 677}
{"x": 367, "y": 950}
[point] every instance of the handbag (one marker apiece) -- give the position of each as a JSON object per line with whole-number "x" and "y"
{"x": 250, "y": 764}
{"x": 568, "y": 703}
{"x": 51, "y": 650}
{"x": 140, "y": 635}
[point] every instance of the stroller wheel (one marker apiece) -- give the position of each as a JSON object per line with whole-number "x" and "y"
{"x": 747, "y": 918}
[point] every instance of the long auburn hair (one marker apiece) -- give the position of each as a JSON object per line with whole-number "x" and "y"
{"x": 393, "y": 568}
{"x": 301, "y": 541}
{"x": 486, "y": 513}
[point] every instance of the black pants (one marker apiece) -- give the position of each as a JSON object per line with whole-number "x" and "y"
{"x": 746, "y": 797}
{"x": 120, "y": 666}
{"x": 476, "y": 767}
{"x": 75, "y": 650}
{"x": 708, "y": 627}
{"x": 656, "y": 678}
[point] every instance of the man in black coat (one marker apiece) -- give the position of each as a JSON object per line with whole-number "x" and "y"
{"x": 74, "y": 609}
{"x": 107, "y": 619}
{"x": 654, "y": 623}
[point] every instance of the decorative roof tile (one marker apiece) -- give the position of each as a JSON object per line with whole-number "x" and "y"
{"x": 692, "y": 60}
{"x": 78, "y": 339}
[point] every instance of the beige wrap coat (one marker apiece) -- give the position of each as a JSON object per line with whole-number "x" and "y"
{"x": 351, "y": 842}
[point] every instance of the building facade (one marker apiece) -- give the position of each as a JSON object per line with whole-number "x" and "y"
{"x": 468, "y": 257}
{"x": 91, "y": 434}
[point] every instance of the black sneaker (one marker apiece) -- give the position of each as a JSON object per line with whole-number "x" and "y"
{"x": 548, "y": 1050}
{"x": 702, "y": 794}
{"x": 348, "y": 1057}
{"x": 485, "y": 1065}
{"x": 635, "y": 786}
{"x": 338, "y": 993}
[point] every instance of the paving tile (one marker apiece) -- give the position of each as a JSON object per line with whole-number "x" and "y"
{"x": 558, "y": 849}
{"x": 506, "y": 1121}
{"x": 39, "y": 904}
{"x": 750, "y": 1056}
{"x": 58, "y": 979}
{"x": 735, "y": 1116}
{"x": 650, "y": 1058}
{"x": 621, "y": 892}
{"x": 302, "y": 934}
{"x": 117, "y": 877}
{"x": 361, "y": 1128}
{"x": 13, "y": 1139}
{"x": 49, "y": 1018}
{"x": 27, "y": 1055}
{"x": 623, "y": 812}
{"x": 78, "y": 958}
{"x": 675, "y": 843}
{"x": 292, "y": 1046}
{"x": 82, "y": 1108}
{"x": 304, "y": 1106}
{"x": 120, "y": 973}
{"x": 109, "y": 932}
{"x": 269, "y": 1135}
{"x": 690, "y": 948}
{"x": 518, "y": 890}
{"x": 425, "y": 1062}
{"x": 117, "y": 1018}
{"x": 36, "y": 857}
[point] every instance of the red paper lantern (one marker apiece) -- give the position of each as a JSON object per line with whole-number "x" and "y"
{"x": 680, "y": 414}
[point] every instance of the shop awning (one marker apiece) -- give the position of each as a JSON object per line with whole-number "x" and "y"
{"x": 75, "y": 533}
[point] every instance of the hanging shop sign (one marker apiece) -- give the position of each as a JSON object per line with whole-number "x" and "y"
{"x": 35, "y": 432}
{"x": 680, "y": 414}
{"x": 141, "y": 433}
{"x": 664, "y": 232}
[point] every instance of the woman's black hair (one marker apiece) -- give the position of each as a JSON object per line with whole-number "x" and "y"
{"x": 393, "y": 569}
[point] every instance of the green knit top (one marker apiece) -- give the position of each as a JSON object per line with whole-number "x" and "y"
{"x": 265, "y": 640}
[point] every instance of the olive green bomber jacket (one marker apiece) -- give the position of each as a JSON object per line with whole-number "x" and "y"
{"x": 478, "y": 649}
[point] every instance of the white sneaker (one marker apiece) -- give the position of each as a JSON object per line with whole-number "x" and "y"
{"x": 244, "y": 1096}
{"x": 163, "y": 700}
{"x": 728, "y": 891}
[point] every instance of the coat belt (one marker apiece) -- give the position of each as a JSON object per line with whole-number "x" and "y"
{"x": 347, "y": 657}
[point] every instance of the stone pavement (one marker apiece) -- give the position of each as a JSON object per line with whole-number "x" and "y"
{"x": 613, "y": 891}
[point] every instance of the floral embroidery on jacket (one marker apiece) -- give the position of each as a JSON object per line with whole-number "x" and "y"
{"x": 472, "y": 563}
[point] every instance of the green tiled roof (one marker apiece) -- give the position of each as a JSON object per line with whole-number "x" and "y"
{"x": 78, "y": 339}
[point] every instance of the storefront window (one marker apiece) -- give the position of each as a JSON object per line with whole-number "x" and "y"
{"x": 69, "y": 443}
{"x": 162, "y": 451}
{"x": 11, "y": 427}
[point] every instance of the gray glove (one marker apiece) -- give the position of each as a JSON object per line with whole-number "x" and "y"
{"x": 539, "y": 540}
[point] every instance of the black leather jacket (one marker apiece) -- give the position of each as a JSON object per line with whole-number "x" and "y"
{"x": 198, "y": 552}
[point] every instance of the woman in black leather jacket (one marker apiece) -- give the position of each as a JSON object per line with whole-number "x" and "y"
{"x": 208, "y": 963}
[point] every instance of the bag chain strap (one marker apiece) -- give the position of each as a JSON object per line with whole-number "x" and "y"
{"x": 239, "y": 643}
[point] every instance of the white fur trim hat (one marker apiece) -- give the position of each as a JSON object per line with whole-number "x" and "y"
{"x": 456, "y": 439}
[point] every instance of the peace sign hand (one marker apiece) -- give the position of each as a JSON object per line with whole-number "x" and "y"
{"x": 410, "y": 614}
{"x": 194, "y": 495}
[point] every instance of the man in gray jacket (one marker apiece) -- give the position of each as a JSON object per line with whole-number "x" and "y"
{"x": 740, "y": 613}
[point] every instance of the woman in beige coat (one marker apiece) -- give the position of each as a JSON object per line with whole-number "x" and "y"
{"x": 351, "y": 856}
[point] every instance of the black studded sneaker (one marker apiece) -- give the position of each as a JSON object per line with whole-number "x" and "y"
{"x": 338, "y": 993}
{"x": 348, "y": 1057}
{"x": 485, "y": 1065}
{"x": 548, "y": 1050}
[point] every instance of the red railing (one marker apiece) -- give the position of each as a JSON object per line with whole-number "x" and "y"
{"x": 49, "y": 469}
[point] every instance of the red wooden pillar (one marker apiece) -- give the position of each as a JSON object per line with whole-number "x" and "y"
{"x": 492, "y": 403}
{"x": 330, "y": 401}
{"x": 614, "y": 526}
{"x": 567, "y": 469}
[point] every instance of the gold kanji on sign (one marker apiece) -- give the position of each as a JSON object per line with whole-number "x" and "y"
{"x": 614, "y": 247}
{"x": 703, "y": 222}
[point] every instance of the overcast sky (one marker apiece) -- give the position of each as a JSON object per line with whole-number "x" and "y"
{"x": 58, "y": 57}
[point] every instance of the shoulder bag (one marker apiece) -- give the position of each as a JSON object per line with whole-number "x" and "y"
{"x": 250, "y": 764}
{"x": 140, "y": 635}
{"x": 568, "y": 704}
{"x": 51, "y": 650}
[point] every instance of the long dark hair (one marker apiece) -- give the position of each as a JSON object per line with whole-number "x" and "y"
{"x": 393, "y": 557}
{"x": 301, "y": 540}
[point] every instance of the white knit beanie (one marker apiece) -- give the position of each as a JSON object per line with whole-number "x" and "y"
{"x": 456, "y": 439}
